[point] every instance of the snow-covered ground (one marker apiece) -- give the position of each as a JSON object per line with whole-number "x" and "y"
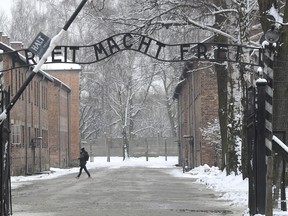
{"x": 230, "y": 187}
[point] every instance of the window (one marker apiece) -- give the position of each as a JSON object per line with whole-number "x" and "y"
{"x": 16, "y": 134}
{"x": 45, "y": 139}
{"x": 23, "y": 137}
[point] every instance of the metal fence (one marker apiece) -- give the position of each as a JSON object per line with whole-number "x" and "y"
{"x": 149, "y": 147}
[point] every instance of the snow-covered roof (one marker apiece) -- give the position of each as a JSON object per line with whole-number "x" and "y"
{"x": 10, "y": 49}
{"x": 61, "y": 84}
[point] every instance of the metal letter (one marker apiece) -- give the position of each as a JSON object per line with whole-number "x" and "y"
{"x": 145, "y": 43}
{"x": 182, "y": 49}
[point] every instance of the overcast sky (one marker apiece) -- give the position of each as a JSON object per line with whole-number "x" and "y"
{"x": 5, "y": 5}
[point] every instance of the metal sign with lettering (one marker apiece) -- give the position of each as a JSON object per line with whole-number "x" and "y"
{"x": 212, "y": 52}
{"x": 39, "y": 45}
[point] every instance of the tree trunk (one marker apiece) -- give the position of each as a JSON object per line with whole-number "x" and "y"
{"x": 244, "y": 148}
{"x": 222, "y": 80}
{"x": 125, "y": 144}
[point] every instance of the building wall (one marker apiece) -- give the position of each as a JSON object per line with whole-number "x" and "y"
{"x": 58, "y": 126}
{"x": 28, "y": 120}
{"x": 40, "y": 121}
{"x": 209, "y": 112}
{"x": 71, "y": 78}
{"x": 197, "y": 107}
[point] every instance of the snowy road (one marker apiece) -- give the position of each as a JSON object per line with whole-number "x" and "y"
{"x": 129, "y": 191}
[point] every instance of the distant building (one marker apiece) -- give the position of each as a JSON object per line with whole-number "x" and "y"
{"x": 44, "y": 122}
{"x": 197, "y": 100}
{"x": 65, "y": 107}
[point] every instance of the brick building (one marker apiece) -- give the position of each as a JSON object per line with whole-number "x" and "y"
{"x": 68, "y": 113}
{"x": 197, "y": 97}
{"x": 44, "y": 123}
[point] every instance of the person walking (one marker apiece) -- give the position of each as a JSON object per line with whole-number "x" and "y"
{"x": 84, "y": 157}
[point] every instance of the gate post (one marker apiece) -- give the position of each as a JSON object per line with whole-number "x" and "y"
{"x": 5, "y": 178}
{"x": 271, "y": 37}
{"x": 260, "y": 148}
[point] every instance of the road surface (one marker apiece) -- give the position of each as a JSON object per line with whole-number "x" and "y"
{"x": 120, "y": 192}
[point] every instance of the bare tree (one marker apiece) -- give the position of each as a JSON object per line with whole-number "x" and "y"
{"x": 220, "y": 18}
{"x": 122, "y": 108}
{"x": 4, "y": 22}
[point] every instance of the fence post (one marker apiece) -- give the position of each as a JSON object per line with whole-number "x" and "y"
{"x": 108, "y": 148}
{"x": 165, "y": 149}
{"x": 147, "y": 150}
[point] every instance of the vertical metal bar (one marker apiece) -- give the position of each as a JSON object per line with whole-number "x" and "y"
{"x": 260, "y": 149}
{"x": 251, "y": 140}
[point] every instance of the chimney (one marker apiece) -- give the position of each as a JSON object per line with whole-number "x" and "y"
{"x": 5, "y": 39}
{"x": 17, "y": 45}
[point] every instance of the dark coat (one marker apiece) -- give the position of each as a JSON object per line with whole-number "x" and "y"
{"x": 82, "y": 158}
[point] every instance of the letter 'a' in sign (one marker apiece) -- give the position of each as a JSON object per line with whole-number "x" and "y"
{"x": 39, "y": 45}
